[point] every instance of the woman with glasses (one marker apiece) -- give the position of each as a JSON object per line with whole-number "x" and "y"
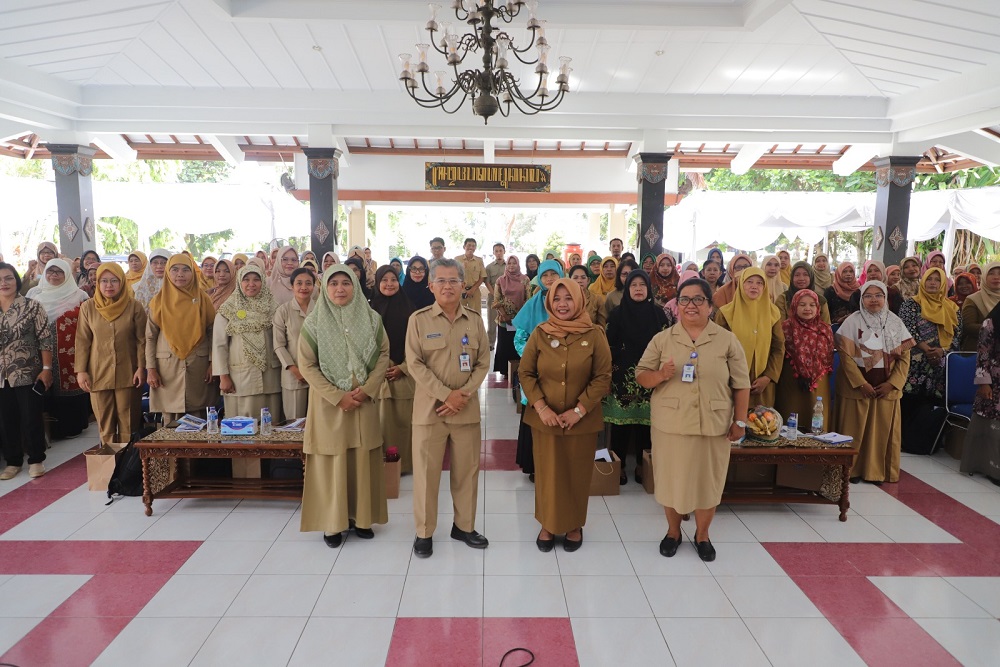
{"x": 727, "y": 292}
{"x": 416, "y": 286}
{"x": 875, "y": 270}
{"x": 701, "y": 390}
{"x": 280, "y": 283}
{"x": 111, "y": 354}
{"x": 26, "y": 350}
{"x": 874, "y": 348}
{"x": 151, "y": 282}
{"x": 757, "y": 325}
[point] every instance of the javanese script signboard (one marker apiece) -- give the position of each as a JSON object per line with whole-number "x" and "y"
{"x": 487, "y": 177}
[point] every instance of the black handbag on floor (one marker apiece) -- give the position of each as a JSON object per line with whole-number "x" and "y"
{"x": 126, "y": 480}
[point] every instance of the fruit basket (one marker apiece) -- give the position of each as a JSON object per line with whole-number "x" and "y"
{"x": 764, "y": 424}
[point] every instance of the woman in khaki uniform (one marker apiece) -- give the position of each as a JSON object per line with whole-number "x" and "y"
{"x": 111, "y": 354}
{"x": 565, "y": 372}
{"x": 395, "y": 399}
{"x": 179, "y": 344}
{"x": 696, "y": 413}
{"x": 595, "y": 302}
{"x": 978, "y": 306}
{"x": 243, "y": 348}
{"x": 343, "y": 355}
{"x": 874, "y": 347}
{"x": 288, "y": 319}
{"x": 803, "y": 277}
{"x": 757, "y": 324}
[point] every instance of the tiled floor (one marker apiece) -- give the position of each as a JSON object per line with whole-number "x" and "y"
{"x": 912, "y": 577}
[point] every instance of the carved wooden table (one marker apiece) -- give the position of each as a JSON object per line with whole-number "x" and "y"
{"x": 805, "y": 451}
{"x": 167, "y": 443}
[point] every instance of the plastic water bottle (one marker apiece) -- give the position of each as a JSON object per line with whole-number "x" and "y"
{"x": 213, "y": 421}
{"x": 817, "y": 421}
{"x": 265, "y": 421}
{"x": 793, "y": 425}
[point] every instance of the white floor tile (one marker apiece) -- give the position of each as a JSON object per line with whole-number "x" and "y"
{"x": 686, "y": 597}
{"x": 372, "y": 557}
{"x": 451, "y": 557}
{"x": 779, "y": 528}
{"x": 180, "y": 525}
{"x": 298, "y": 558}
{"x": 12, "y": 630}
{"x": 442, "y": 596}
{"x": 984, "y": 503}
{"x": 767, "y": 597}
{"x": 261, "y": 642}
{"x": 928, "y": 597}
{"x": 115, "y": 526}
{"x": 711, "y": 642}
{"x": 646, "y": 559}
{"x": 225, "y": 558}
{"x": 278, "y": 595}
{"x": 984, "y": 591}
{"x": 524, "y": 596}
{"x": 84, "y": 501}
{"x": 633, "y": 503}
{"x": 162, "y": 642}
{"x": 48, "y": 526}
{"x": 203, "y": 504}
{"x": 641, "y": 527}
{"x": 855, "y": 529}
{"x": 916, "y": 465}
{"x": 37, "y": 595}
{"x": 911, "y": 529}
{"x": 973, "y": 642}
{"x": 724, "y": 529}
{"x": 359, "y": 595}
{"x": 195, "y": 595}
{"x": 741, "y": 560}
{"x": 793, "y": 642}
{"x": 250, "y": 526}
{"x": 623, "y": 642}
{"x": 605, "y": 596}
{"x": 285, "y": 507}
{"x": 878, "y": 504}
{"x": 355, "y": 641}
{"x": 515, "y": 558}
{"x": 598, "y": 558}
{"x": 506, "y": 480}
{"x": 133, "y": 504}
{"x": 599, "y": 528}
{"x": 510, "y": 502}
{"x": 511, "y": 527}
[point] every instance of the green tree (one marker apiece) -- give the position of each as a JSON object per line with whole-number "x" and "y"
{"x": 200, "y": 245}
{"x": 20, "y": 168}
{"x": 165, "y": 238}
{"x": 117, "y": 235}
{"x": 554, "y": 244}
{"x": 203, "y": 171}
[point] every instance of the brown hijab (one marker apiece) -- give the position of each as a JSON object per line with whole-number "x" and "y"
{"x": 579, "y": 323}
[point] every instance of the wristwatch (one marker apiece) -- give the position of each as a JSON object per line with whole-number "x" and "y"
{"x": 578, "y": 411}
{"x": 740, "y": 424}
{"x": 46, "y": 368}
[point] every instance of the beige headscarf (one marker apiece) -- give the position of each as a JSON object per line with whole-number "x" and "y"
{"x": 281, "y": 283}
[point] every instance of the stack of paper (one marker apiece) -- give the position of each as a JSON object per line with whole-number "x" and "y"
{"x": 833, "y": 438}
{"x": 296, "y": 425}
{"x": 190, "y": 424}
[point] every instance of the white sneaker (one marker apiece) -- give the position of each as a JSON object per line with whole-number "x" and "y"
{"x": 10, "y": 472}
{"x": 36, "y": 470}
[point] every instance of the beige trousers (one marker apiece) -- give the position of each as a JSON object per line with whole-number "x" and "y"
{"x": 117, "y": 412}
{"x": 429, "y": 442}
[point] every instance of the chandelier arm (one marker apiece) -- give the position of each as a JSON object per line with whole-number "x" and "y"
{"x": 469, "y": 42}
{"x": 536, "y": 108}
{"x": 467, "y": 80}
{"x": 433, "y": 95}
{"x": 515, "y": 89}
{"x": 434, "y": 45}
{"x": 517, "y": 52}
{"x": 439, "y": 103}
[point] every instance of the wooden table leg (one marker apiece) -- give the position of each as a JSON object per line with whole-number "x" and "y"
{"x": 147, "y": 494}
{"x": 845, "y": 489}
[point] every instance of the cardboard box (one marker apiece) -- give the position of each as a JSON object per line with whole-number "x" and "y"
{"x": 954, "y": 441}
{"x": 800, "y": 476}
{"x": 392, "y": 469}
{"x": 101, "y": 465}
{"x": 647, "y": 471}
{"x": 751, "y": 473}
{"x": 604, "y": 481}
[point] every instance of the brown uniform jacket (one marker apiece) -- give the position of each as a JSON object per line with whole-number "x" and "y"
{"x": 577, "y": 371}
{"x": 288, "y": 321}
{"x": 329, "y": 430}
{"x": 433, "y": 344}
{"x": 111, "y": 352}
{"x": 972, "y": 322}
{"x": 849, "y": 379}
{"x": 705, "y": 406}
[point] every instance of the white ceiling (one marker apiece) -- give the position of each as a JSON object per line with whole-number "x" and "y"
{"x": 895, "y": 76}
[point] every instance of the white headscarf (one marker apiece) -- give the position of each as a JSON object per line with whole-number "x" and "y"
{"x": 57, "y": 300}
{"x": 149, "y": 285}
{"x": 875, "y": 340}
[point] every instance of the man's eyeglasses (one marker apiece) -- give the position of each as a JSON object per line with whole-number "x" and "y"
{"x": 448, "y": 281}
{"x": 696, "y": 300}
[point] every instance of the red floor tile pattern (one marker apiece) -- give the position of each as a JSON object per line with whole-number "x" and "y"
{"x": 835, "y": 576}
{"x": 460, "y": 642}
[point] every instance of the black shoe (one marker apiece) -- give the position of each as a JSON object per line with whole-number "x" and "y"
{"x": 572, "y": 545}
{"x": 855, "y": 480}
{"x": 993, "y": 480}
{"x": 668, "y": 545}
{"x": 423, "y": 547}
{"x": 471, "y": 538}
{"x": 638, "y": 475}
{"x": 706, "y": 551}
{"x": 364, "y": 533}
{"x": 531, "y": 477}
{"x": 623, "y": 479}
{"x": 545, "y": 546}
{"x": 334, "y": 541}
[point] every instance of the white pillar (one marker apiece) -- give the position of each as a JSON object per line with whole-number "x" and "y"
{"x": 593, "y": 233}
{"x": 383, "y": 237}
{"x": 949, "y": 244}
{"x": 356, "y": 225}
{"x": 616, "y": 226}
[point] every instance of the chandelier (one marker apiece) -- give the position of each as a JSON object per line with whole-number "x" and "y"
{"x": 492, "y": 88}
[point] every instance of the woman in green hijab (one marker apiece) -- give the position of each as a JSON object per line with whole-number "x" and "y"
{"x": 343, "y": 355}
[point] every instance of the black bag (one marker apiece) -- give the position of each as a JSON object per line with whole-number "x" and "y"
{"x": 126, "y": 480}
{"x": 921, "y": 425}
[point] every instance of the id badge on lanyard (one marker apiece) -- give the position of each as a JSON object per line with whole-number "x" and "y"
{"x": 465, "y": 359}
{"x": 687, "y": 373}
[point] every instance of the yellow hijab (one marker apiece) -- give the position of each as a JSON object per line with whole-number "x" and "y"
{"x": 602, "y": 285}
{"x": 785, "y": 273}
{"x": 752, "y": 321}
{"x": 111, "y": 309}
{"x": 207, "y": 283}
{"x": 132, "y": 277}
{"x": 937, "y": 308}
{"x": 986, "y": 299}
{"x": 183, "y": 315}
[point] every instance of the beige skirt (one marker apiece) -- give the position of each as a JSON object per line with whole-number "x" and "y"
{"x": 690, "y": 470}
{"x": 343, "y": 487}
{"x": 294, "y": 402}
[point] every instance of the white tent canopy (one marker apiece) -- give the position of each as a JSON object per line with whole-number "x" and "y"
{"x": 756, "y": 219}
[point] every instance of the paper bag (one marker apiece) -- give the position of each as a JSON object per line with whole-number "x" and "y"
{"x": 604, "y": 481}
{"x": 393, "y": 470}
{"x": 101, "y": 465}
{"x": 647, "y": 471}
